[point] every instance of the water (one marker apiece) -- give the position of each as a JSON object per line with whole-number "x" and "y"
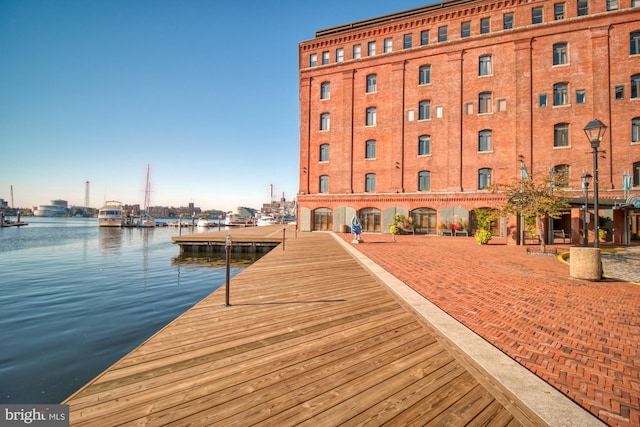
{"x": 75, "y": 298}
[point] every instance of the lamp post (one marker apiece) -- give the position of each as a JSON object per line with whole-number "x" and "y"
{"x": 595, "y": 130}
{"x": 586, "y": 179}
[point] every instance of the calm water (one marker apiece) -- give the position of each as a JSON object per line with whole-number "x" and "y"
{"x": 75, "y": 298}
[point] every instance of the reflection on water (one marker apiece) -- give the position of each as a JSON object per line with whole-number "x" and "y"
{"x": 76, "y": 297}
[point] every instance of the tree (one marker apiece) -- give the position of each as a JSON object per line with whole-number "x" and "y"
{"x": 537, "y": 198}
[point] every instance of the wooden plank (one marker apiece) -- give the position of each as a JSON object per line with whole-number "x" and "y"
{"x": 310, "y": 338}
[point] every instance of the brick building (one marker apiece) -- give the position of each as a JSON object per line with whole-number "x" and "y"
{"x": 419, "y": 111}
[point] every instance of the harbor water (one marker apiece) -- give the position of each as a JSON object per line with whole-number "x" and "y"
{"x": 75, "y": 298}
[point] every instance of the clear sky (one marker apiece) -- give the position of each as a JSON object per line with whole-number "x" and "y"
{"x": 205, "y": 92}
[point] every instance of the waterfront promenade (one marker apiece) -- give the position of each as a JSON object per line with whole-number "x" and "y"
{"x": 313, "y": 335}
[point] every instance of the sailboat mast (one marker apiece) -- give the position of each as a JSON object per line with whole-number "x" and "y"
{"x": 147, "y": 190}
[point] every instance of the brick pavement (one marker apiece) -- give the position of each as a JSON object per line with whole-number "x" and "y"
{"x": 581, "y": 337}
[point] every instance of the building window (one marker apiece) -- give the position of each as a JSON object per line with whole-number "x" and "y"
{"x": 465, "y": 29}
{"x": 634, "y": 43}
{"x": 581, "y": 96}
{"x": 543, "y": 99}
{"x": 583, "y": 7}
{"x": 507, "y": 21}
{"x": 484, "y": 65}
{"x": 357, "y": 51}
{"x": 612, "y": 4}
{"x": 439, "y": 112}
{"x": 484, "y": 140}
{"x": 536, "y": 15}
{"x": 410, "y": 115}
{"x": 324, "y": 152}
{"x": 562, "y": 172}
{"x": 424, "y": 181}
{"x": 635, "y": 86}
{"x": 558, "y": 11}
{"x": 635, "y": 3}
{"x": 442, "y": 34}
{"x": 324, "y": 121}
{"x": 502, "y": 105}
{"x": 325, "y": 58}
{"x": 370, "y": 149}
{"x": 560, "y": 54}
{"x": 560, "y": 94}
{"x": 619, "y": 92}
{"x": 388, "y": 45}
{"x": 371, "y": 116}
{"x": 424, "y": 110}
{"x": 371, "y": 48}
{"x": 323, "y": 219}
{"x": 406, "y": 41}
{"x": 313, "y": 60}
{"x": 339, "y": 55}
{"x": 372, "y": 83}
{"x": 424, "y": 38}
{"x": 325, "y": 90}
{"x": 468, "y": 108}
{"x": 484, "y": 178}
{"x": 635, "y": 129}
{"x": 324, "y": 184}
{"x": 370, "y": 183}
{"x": 561, "y": 135}
{"x": 424, "y": 145}
{"x": 485, "y": 25}
{"x": 484, "y": 103}
{"x": 636, "y": 174}
{"x": 424, "y": 75}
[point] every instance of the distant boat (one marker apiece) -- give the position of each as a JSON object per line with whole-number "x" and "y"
{"x": 267, "y": 220}
{"x": 203, "y": 222}
{"x": 236, "y": 219}
{"x": 111, "y": 214}
{"x": 146, "y": 220}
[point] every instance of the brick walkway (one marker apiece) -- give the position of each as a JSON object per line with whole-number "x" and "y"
{"x": 581, "y": 337}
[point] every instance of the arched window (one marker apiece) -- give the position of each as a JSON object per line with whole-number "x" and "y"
{"x": 484, "y": 178}
{"x": 323, "y": 219}
{"x": 484, "y": 66}
{"x": 635, "y": 86}
{"x": 424, "y": 75}
{"x": 324, "y": 184}
{"x": 484, "y": 140}
{"x": 635, "y": 129}
{"x": 324, "y": 152}
{"x": 325, "y": 90}
{"x": 424, "y": 145}
{"x": 634, "y": 43}
{"x": 424, "y": 181}
{"x": 560, "y": 176}
{"x": 370, "y": 220}
{"x": 371, "y": 119}
{"x": 424, "y": 110}
{"x": 561, "y": 135}
{"x": 560, "y": 54}
{"x": 324, "y": 121}
{"x": 370, "y": 183}
{"x": 560, "y": 94}
{"x": 484, "y": 103}
{"x": 424, "y": 220}
{"x": 372, "y": 83}
{"x": 370, "y": 149}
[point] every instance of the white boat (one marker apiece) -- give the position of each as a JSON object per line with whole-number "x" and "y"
{"x": 203, "y": 222}
{"x": 267, "y": 220}
{"x": 146, "y": 220}
{"x": 111, "y": 214}
{"x": 232, "y": 218}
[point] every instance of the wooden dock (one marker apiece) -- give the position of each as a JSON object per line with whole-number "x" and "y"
{"x": 245, "y": 239}
{"x": 311, "y": 338}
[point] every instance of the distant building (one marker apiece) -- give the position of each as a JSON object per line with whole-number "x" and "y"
{"x": 56, "y": 208}
{"x": 419, "y": 112}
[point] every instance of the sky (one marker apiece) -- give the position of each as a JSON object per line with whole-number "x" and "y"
{"x": 203, "y": 92}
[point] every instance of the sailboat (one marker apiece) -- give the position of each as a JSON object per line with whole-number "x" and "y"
{"x": 146, "y": 220}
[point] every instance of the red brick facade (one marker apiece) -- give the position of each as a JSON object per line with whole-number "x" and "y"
{"x": 592, "y": 55}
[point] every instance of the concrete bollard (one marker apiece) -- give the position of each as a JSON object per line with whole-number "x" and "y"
{"x": 585, "y": 263}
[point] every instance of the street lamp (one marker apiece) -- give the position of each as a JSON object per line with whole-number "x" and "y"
{"x": 586, "y": 179}
{"x": 595, "y": 130}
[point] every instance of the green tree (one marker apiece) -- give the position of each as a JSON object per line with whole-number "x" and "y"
{"x": 537, "y": 198}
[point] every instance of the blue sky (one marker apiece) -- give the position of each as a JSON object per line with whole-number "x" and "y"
{"x": 205, "y": 92}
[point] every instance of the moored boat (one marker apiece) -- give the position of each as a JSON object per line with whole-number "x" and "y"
{"x": 111, "y": 214}
{"x": 267, "y": 220}
{"x": 146, "y": 220}
{"x": 203, "y": 222}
